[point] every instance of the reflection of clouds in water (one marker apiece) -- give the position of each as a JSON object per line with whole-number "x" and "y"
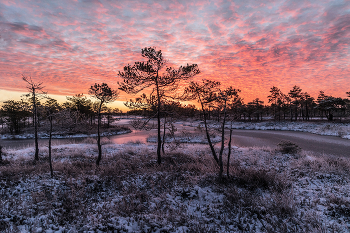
{"x": 24, "y": 143}
{"x": 136, "y": 136}
{"x": 142, "y": 135}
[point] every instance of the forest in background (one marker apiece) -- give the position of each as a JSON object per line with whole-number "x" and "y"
{"x": 296, "y": 105}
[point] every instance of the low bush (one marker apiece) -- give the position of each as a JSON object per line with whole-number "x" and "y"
{"x": 259, "y": 178}
{"x": 288, "y": 147}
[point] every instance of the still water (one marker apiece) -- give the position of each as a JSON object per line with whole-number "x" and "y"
{"x": 118, "y": 139}
{"x": 134, "y": 136}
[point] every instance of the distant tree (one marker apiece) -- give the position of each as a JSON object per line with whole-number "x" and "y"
{"x": 306, "y": 103}
{"x": 321, "y": 97}
{"x": 295, "y": 95}
{"x": 117, "y": 111}
{"x": 285, "y": 103}
{"x": 105, "y": 95}
{"x": 330, "y": 105}
{"x": 35, "y": 90}
{"x": 236, "y": 108}
{"x": 15, "y": 115}
{"x": 82, "y": 105}
{"x": 256, "y": 107}
{"x": 189, "y": 110}
{"x": 108, "y": 113}
{"x": 275, "y": 98}
{"x": 147, "y": 74}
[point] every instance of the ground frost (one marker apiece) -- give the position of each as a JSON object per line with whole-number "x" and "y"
{"x": 267, "y": 192}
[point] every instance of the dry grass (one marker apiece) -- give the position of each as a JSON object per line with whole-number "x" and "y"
{"x": 322, "y": 164}
{"x": 183, "y": 191}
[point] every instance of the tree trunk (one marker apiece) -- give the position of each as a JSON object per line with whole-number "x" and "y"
{"x": 98, "y": 136}
{"x": 208, "y": 137}
{"x": 159, "y": 159}
{"x": 50, "y": 160}
{"x": 279, "y": 113}
{"x": 222, "y": 143}
{"x": 229, "y": 152}
{"x": 35, "y": 128}
{"x": 163, "y": 141}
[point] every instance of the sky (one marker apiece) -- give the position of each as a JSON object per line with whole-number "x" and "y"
{"x": 251, "y": 45}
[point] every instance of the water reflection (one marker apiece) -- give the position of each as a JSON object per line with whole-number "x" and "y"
{"x": 135, "y": 136}
{"x": 24, "y": 143}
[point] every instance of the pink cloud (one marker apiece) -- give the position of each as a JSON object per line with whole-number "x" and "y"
{"x": 249, "y": 44}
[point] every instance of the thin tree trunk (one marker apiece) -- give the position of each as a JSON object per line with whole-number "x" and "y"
{"x": 222, "y": 143}
{"x": 98, "y": 136}
{"x": 159, "y": 159}
{"x": 229, "y": 152}
{"x": 50, "y": 160}
{"x": 279, "y": 114}
{"x": 208, "y": 137}
{"x": 163, "y": 141}
{"x": 35, "y": 127}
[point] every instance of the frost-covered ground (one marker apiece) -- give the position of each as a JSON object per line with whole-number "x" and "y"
{"x": 321, "y": 128}
{"x": 45, "y": 135}
{"x": 267, "y": 191}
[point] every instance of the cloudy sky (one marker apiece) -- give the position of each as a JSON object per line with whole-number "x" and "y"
{"x": 253, "y": 45}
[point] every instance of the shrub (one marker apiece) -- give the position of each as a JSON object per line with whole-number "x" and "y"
{"x": 338, "y": 207}
{"x": 288, "y": 147}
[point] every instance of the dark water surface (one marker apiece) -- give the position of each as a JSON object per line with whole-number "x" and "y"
{"x": 319, "y": 144}
{"x": 242, "y": 138}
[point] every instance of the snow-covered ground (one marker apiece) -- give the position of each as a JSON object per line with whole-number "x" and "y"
{"x": 60, "y": 135}
{"x": 321, "y": 128}
{"x": 129, "y": 192}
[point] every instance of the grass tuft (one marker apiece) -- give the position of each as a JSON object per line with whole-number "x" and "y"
{"x": 288, "y": 147}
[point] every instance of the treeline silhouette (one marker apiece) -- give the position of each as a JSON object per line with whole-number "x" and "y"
{"x": 296, "y": 105}
{"x": 77, "y": 110}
